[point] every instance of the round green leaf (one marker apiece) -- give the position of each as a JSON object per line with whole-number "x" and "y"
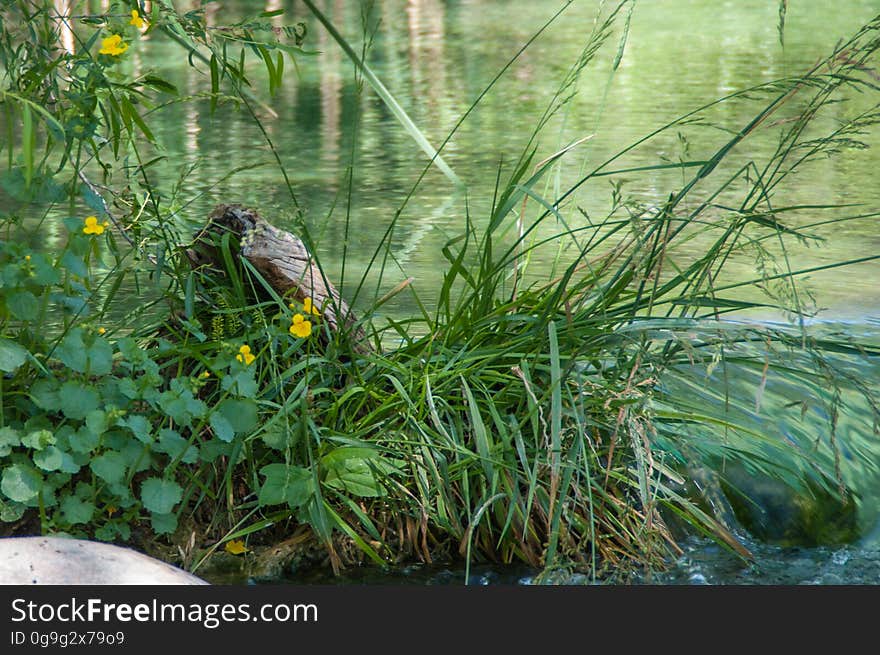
{"x": 44, "y": 393}
{"x": 78, "y": 399}
{"x": 12, "y": 355}
{"x": 23, "y": 305}
{"x": 49, "y": 459}
{"x": 9, "y": 438}
{"x": 241, "y": 414}
{"x": 222, "y": 427}
{"x": 11, "y": 512}
{"x": 160, "y": 496}
{"x": 21, "y": 483}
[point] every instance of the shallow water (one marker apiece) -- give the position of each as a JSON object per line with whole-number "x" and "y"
{"x": 703, "y": 562}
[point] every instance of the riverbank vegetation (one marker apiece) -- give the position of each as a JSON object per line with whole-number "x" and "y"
{"x": 587, "y": 419}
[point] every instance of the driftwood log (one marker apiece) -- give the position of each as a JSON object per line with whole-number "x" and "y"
{"x": 284, "y": 262}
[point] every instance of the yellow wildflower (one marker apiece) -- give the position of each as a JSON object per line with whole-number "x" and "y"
{"x": 244, "y": 355}
{"x": 206, "y": 374}
{"x": 111, "y": 510}
{"x": 309, "y": 307}
{"x": 92, "y": 226}
{"x": 300, "y": 327}
{"x": 235, "y": 547}
{"x": 136, "y": 20}
{"x": 112, "y": 46}
{"x": 27, "y": 258}
{"x": 102, "y": 330}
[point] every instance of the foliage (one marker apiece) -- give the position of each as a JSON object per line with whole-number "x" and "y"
{"x": 550, "y": 422}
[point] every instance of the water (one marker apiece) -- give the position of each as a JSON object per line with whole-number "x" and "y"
{"x": 436, "y": 58}
{"x": 703, "y": 562}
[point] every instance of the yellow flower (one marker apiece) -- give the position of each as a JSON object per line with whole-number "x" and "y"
{"x": 92, "y": 226}
{"x": 244, "y": 355}
{"x": 136, "y": 20}
{"x": 206, "y": 374}
{"x": 112, "y": 46}
{"x": 309, "y": 307}
{"x": 235, "y": 547}
{"x": 101, "y": 330}
{"x": 300, "y": 327}
{"x": 111, "y": 510}
{"x": 27, "y": 258}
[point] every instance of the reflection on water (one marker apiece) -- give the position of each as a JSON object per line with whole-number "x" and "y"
{"x": 65, "y": 30}
{"x": 437, "y": 57}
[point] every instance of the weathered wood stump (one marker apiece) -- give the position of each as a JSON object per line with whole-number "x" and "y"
{"x": 284, "y": 262}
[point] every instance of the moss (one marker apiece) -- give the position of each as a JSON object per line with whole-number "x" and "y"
{"x": 775, "y": 513}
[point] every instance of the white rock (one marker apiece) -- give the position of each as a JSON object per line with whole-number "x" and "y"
{"x": 61, "y": 561}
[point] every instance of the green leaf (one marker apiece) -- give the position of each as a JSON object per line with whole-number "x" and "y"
{"x": 97, "y": 421}
{"x": 129, "y": 389}
{"x": 140, "y": 426}
{"x": 72, "y": 351}
{"x": 68, "y": 464}
{"x": 160, "y": 496}
{"x": 78, "y": 399}
{"x": 84, "y": 440}
{"x": 112, "y": 530}
{"x": 12, "y": 355}
{"x": 21, "y": 483}
{"x": 11, "y": 512}
{"x": 100, "y": 354}
{"x": 176, "y": 447}
{"x": 132, "y": 352}
{"x": 137, "y": 456}
{"x": 9, "y": 438}
{"x": 110, "y": 466}
{"x": 159, "y": 84}
{"x": 44, "y": 393}
{"x": 85, "y": 353}
{"x": 75, "y": 510}
{"x": 74, "y": 264}
{"x": 277, "y": 436}
{"x": 38, "y": 439}
{"x": 241, "y": 383}
{"x": 241, "y": 414}
{"x": 163, "y": 523}
{"x": 354, "y": 477}
{"x": 45, "y": 273}
{"x": 290, "y": 484}
{"x": 23, "y": 305}
{"x": 178, "y": 403}
{"x": 49, "y": 459}
{"x": 223, "y": 429}
{"x": 350, "y": 469}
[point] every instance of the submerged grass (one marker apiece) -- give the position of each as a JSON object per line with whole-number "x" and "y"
{"x": 571, "y": 421}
